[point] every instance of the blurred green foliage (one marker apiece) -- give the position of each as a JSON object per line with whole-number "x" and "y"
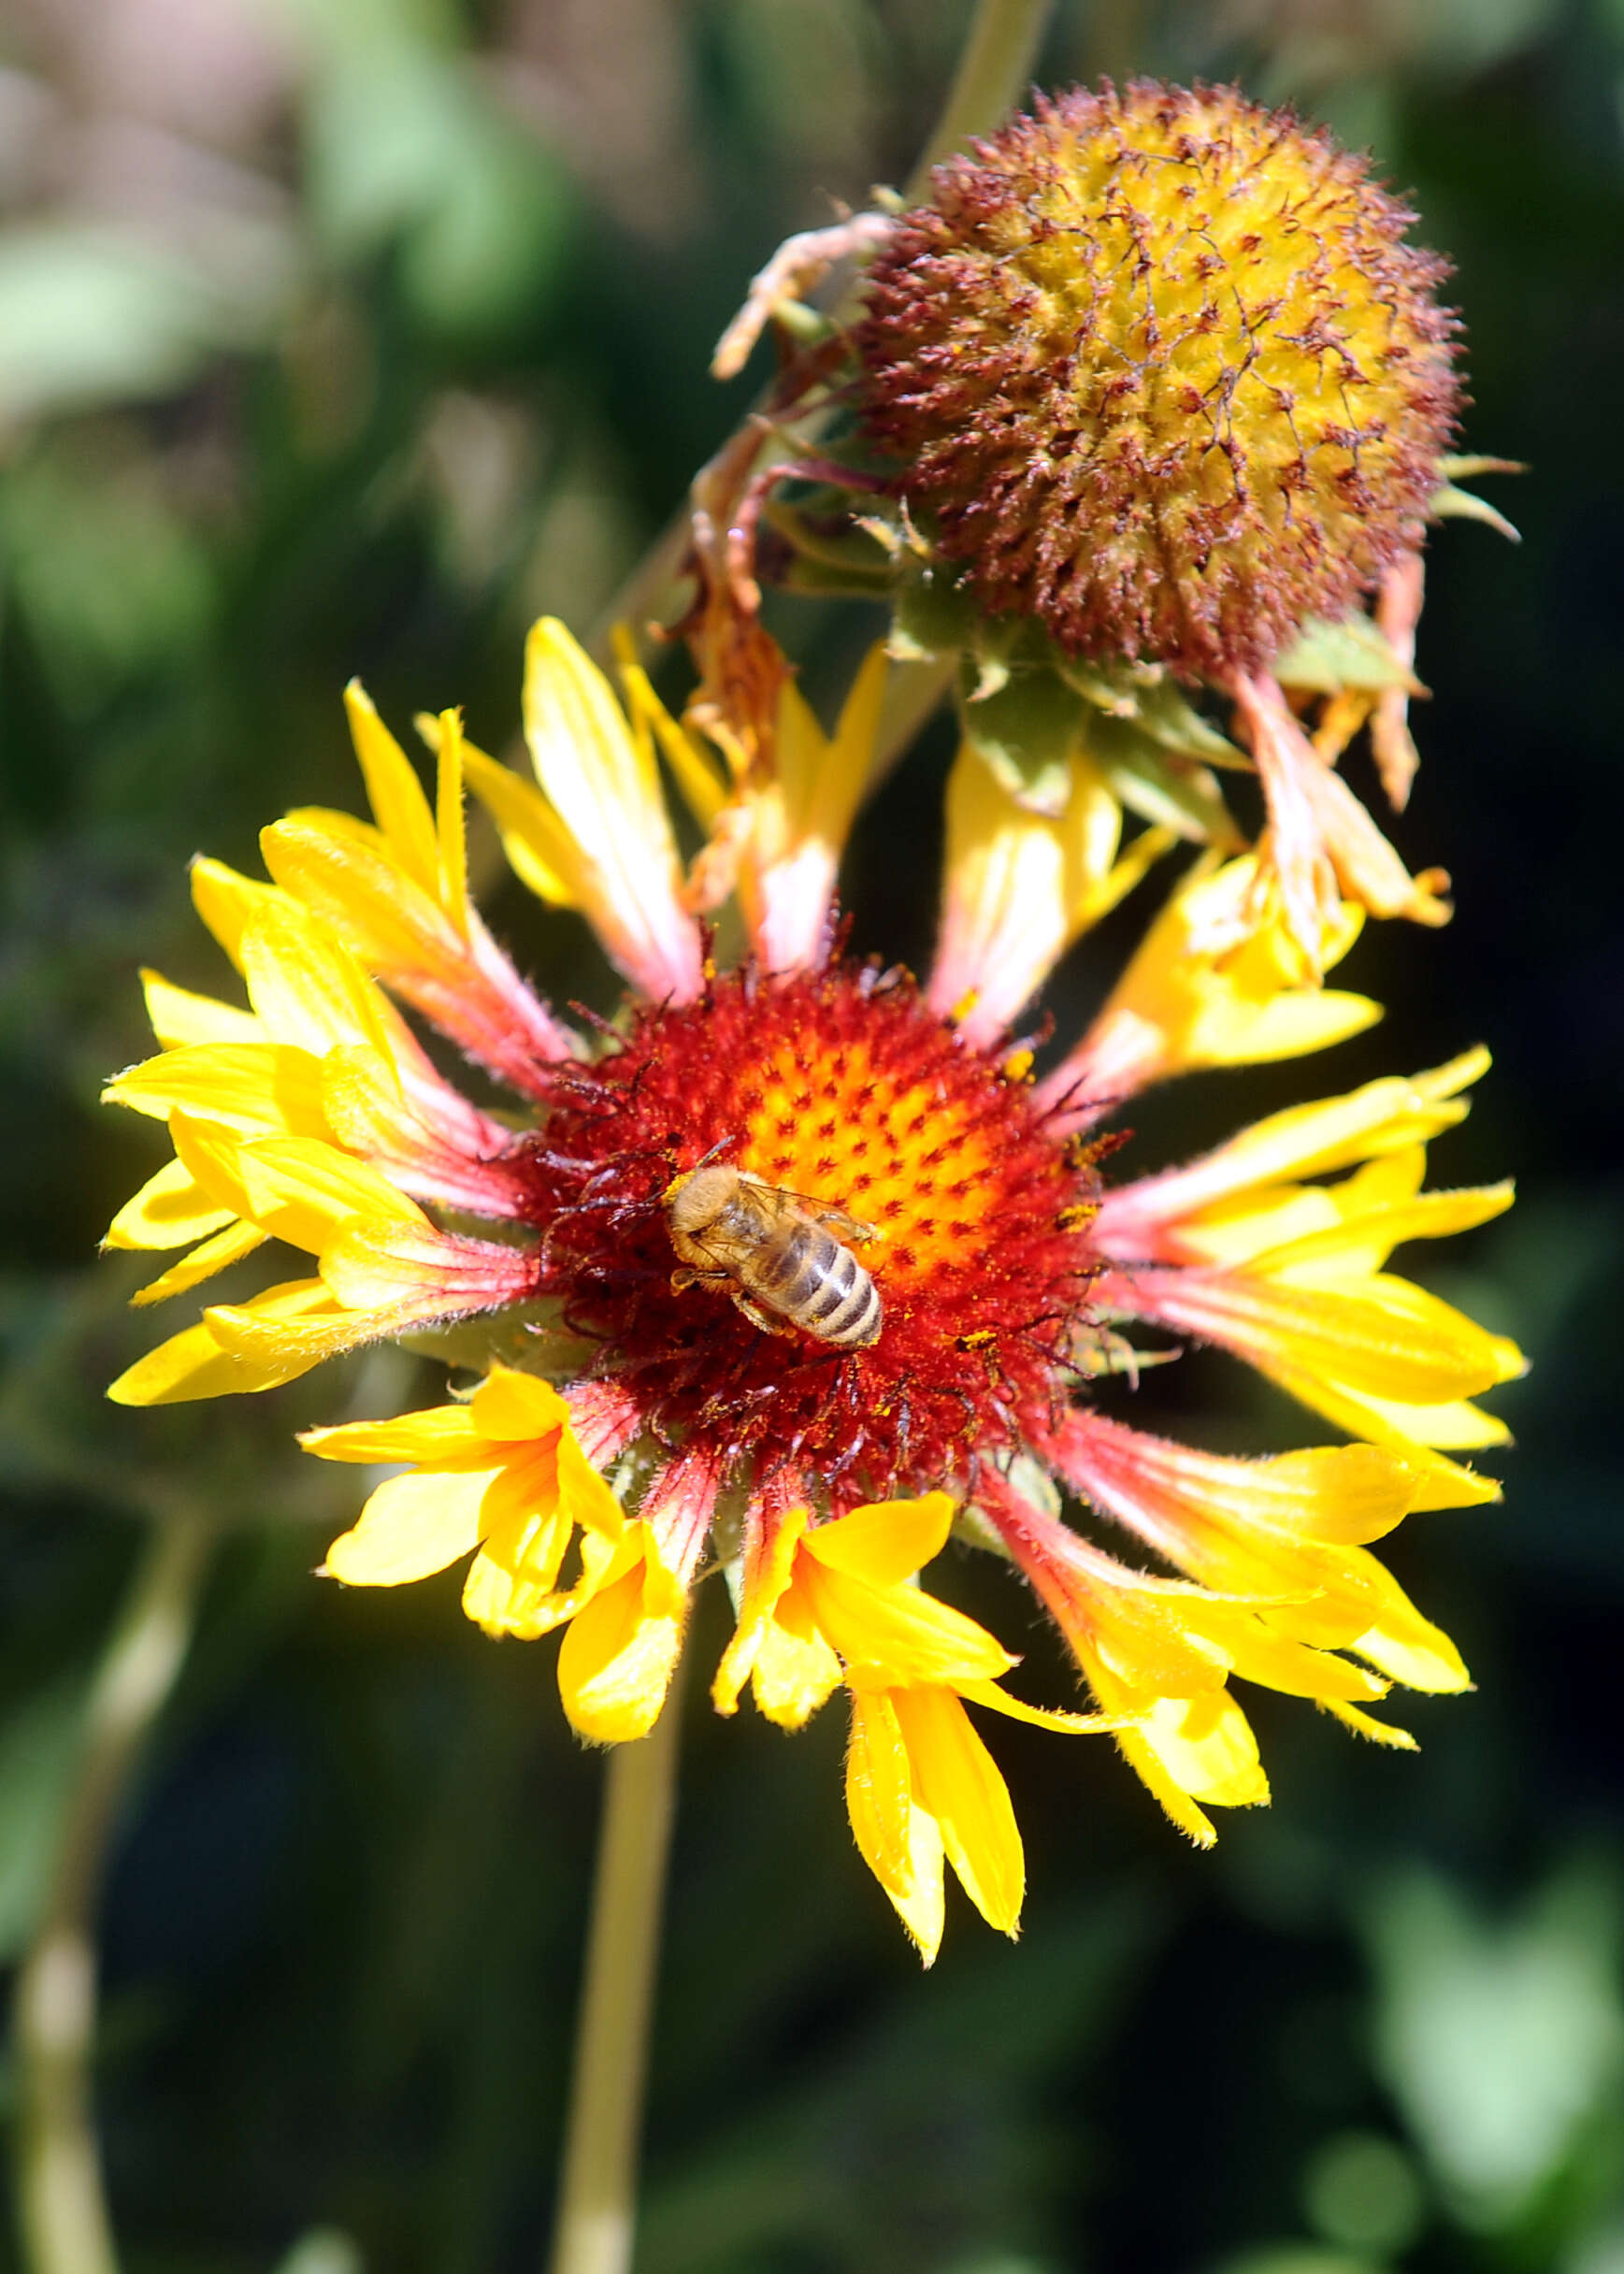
{"x": 349, "y": 338}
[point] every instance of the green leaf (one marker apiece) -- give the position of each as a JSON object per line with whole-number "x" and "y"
{"x": 809, "y": 572}
{"x": 1145, "y": 694}
{"x": 1114, "y": 688}
{"x": 1327, "y": 657}
{"x": 1027, "y": 730}
{"x": 847, "y": 549}
{"x": 1170, "y": 718}
{"x": 932, "y": 613}
{"x": 1159, "y": 784}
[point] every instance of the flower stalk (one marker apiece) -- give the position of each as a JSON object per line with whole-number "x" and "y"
{"x": 61, "y": 2206}
{"x": 994, "y": 72}
{"x": 596, "y": 2216}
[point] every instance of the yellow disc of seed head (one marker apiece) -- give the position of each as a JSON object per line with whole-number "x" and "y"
{"x": 1162, "y": 372}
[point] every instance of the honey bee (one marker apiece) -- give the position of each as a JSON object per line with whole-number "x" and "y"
{"x": 775, "y": 1252}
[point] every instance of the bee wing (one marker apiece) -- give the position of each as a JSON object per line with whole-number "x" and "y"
{"x": 821, "y": 1211}
{"x": 848, "y": 1226}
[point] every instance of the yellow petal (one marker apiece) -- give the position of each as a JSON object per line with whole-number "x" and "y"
{"x": 412, "y": 1526}
{"x": 436, "y": 1432}
{"x": 607, "y": 793}
{"x": 1204, "y": 1749}
{"x": 615, "y": 1663}
{"x": 1040, "y": 1716}
{"x": 499, "y": 1594}
{"x": 1363, "y": 1243}
{"x": 1385, "y": 1116}
{"x": 510, "y": 1585}
{"x": 306, "y": 1192}
{"x": 450, "y": 830}
{"x": 1366, "y": 1725}
{"x": 271, "y": 1349}
{"x": 227, "y": 1247}
{"x": 1407, "y": 1646}
{"x": 347, "y": 875}
{"x": 1446, "y": 1484}
{"x": 767, "y": 1561}
{"x": 228, "y": 902}
{"x": 290, "y": 1329}
{"x": 1251, "y": 998}
{"x": 887, "y": 1542}
{"x": 1389, "y": 1340}
{"x": 792, "y": 1676}
{"x": 393, "y": 791}
{"x": 305, "y": 983}
{"x": 702, "y": 781}
{"x": 898, "y": 1632}
{"x": 170, "y": 1209}
{"x": 1408, "y": 1427}
{"x": 376, "y": 1263}
{"x": 180, "y": 1017}
{"x": 260, "y": 1089}
{"x": 956, "y": 1779}
{"x": 824, "y": 780}
{"x": 878, "y": 1788}
{"x": 510, "y": 1404}
{"x": 539, "y": 849}
{"x": 1018, "y": 887}
{"x": 582, "y": 1493}
{"x": 899, "y": 1841}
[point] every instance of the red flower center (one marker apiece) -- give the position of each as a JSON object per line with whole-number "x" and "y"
{"x": 842, "y": 1091}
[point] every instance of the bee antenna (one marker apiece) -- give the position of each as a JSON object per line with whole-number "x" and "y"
{"x": 721, "y": 1145}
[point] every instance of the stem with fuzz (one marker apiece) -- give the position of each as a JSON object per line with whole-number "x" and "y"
{"x": 597, "y": 2190}
{"x": 61, "y": 2206}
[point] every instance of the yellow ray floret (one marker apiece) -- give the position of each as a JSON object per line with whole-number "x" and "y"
{"x": 833, "y": 1604}
{"x": 1218, "y": 980}
{"x": 505, "y": 1475}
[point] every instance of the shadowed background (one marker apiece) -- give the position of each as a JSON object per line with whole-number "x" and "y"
{"x": 341, "y": 338}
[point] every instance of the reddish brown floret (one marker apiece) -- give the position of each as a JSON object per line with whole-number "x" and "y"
{"x": 842, "y": 1086}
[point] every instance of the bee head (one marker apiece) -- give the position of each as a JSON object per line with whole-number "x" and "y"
{"x": 698, "y": 1199}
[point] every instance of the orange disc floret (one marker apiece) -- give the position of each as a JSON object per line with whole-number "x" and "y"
{"x": 1162, "y": 372}
{"x": 841, "y": 1089}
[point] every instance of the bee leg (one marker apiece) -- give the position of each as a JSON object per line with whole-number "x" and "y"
{"x": 758, "y": 1317}
{"x": 686, "y": 1279}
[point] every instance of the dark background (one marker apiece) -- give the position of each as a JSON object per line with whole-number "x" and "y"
{"x": 349, "y": 338}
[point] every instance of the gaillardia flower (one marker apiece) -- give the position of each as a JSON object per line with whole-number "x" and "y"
{"x": 1146, "y": 406}
{"x": 1163, "y": 374}
{"x": 884, "y": 1310}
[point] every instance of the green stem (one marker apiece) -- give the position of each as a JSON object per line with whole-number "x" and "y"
{"x": 61, "y": 2206}
{"x": 994, "y": 72}
{"x": 597, "y": 2189}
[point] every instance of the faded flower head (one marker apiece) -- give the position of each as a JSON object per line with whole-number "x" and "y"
{"x": 1162, "y": 372}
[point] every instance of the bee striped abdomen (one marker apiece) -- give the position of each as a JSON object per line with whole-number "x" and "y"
{"x": 819, "y": 1285}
